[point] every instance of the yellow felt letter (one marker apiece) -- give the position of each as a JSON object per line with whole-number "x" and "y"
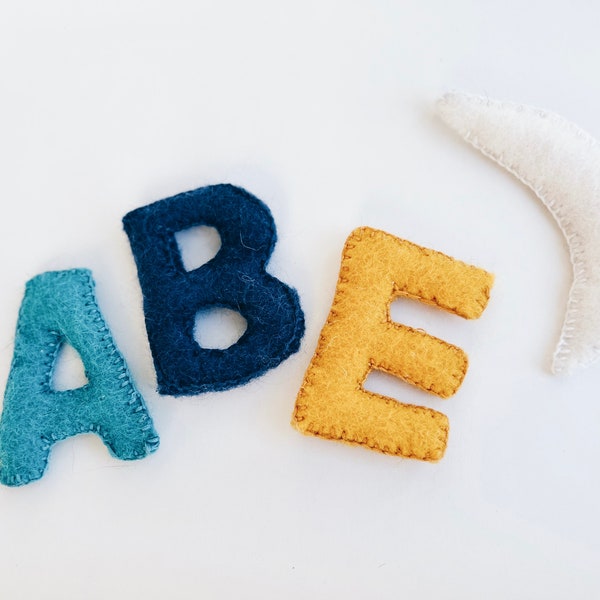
{"x": 359, "y": 336}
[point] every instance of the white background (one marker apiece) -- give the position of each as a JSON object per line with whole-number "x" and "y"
{"x": 325, "y": 110}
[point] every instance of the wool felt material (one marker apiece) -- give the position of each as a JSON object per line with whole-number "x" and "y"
{"x": 236, "y": 278}
{"x": 60, "y": 307}
{"x": 561, "y": 164}
{"x": 359, "y": 336}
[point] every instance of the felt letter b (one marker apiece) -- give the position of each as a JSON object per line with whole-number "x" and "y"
{"x": 359, "y": 336}
{"x": 235, "y": 279}
{"x": 60, "y": 307}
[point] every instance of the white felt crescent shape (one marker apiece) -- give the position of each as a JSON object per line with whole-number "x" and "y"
{"x": 561, "y": 164}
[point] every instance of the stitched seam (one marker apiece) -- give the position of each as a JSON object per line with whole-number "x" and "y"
{"x": 135, "y": 402}
{"x": 428, "y": 456}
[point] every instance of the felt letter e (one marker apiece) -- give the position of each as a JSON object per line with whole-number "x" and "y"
{"x": 359, "y": 336}
{"x": 235, "y": 279}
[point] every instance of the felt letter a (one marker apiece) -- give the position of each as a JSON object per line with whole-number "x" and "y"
{"x": 60, "y": 307}
{"x": 235, "y": 279}
{"x": 359, "y": 336}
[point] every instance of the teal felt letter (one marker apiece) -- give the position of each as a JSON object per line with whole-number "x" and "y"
{"x": 61, "y": 307}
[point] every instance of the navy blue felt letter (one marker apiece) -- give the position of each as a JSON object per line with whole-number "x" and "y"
{"x": 235, "y": 279}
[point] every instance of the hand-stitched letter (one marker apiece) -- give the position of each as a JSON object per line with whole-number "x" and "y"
{"x": 60, "y": 307}
{"x": 359, "y": 336}
{"x": 235, "y": 279}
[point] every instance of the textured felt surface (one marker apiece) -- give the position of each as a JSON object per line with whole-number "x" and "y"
{"x": 359, "y": 336}
{"x": 561, "y": 164}
{"x": 235, "y": 279}
{"x": 60, "y": 307}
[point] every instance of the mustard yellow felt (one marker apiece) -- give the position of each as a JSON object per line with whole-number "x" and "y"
{"x": 359, "y": 336}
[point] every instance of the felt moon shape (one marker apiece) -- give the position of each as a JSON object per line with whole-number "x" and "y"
{"x": 561, "y": 164}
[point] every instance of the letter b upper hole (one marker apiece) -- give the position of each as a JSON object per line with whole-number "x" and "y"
{"x": 198, "y": 245}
